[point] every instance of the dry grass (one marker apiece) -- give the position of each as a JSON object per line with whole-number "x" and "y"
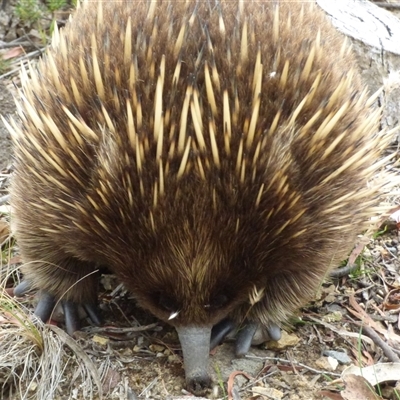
{"x": 38, "y": 361}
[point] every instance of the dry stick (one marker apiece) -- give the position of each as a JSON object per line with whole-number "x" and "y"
{"x": 111, "y": 329}
{"x": 389, "y": 353}
{"x": 282, "y": 360}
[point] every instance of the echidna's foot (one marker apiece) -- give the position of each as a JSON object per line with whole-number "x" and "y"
{"x": 220, "y": 331}
{"x": 248, "y": 334}
{"x": 46, "y": 306}
{"x": 47, "y": 303}
{"x": 254, "y": 334}
{"x": 22, "y": 288}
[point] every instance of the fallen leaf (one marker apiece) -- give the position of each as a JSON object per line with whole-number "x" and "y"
{"x": 13, "y": 52}
{"x": 392, "y": 300}
{"x": 331, "y": 395}
{"x": 375, "y": 374}
{"x": 358, "y": 388}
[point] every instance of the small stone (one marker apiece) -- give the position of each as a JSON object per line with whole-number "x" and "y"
{"x": 336, "y": 316}
{"x": 336, "y": 308}
{"x": 156, "y": 348}
{"x": 127, "y": 352}
{"x": 173, "y": 358}
{"x": 103, "y": 341}
{"x": 340, "y": 356}
{"x": 287, "y": 340}
{"x": 367, "y": 252}
{"x": 327, "y": 363}
{"x": 269, "y": 393}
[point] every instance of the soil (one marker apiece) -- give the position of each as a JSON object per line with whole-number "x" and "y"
{"x": 150, "y": 363}
{"x": 7, "y": 106}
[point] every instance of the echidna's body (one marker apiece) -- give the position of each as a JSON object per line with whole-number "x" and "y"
{"x": 213, "y": 154}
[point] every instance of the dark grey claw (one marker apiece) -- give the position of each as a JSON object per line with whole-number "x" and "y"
{"x": 22, "y": 288}
{"x": 244, "y": 339}
{"x": 274, "y": 332}
{"x": 71, "y": 315}
{"x": 220, "y": 330}
{"x": 93, "y": 313}
{"x": 45, "y": 306}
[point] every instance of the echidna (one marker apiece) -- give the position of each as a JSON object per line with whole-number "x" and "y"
{"x": 215, "y": 155}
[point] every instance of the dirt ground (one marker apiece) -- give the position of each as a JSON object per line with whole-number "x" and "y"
{"x": 147, "y": 364}
{"x": 7, "y": 106}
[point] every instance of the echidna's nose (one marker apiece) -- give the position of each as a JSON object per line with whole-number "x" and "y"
{"x": 195, "y": 342}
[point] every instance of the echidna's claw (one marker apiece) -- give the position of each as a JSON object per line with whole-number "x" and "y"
{"x": 220, "y": 330}
{"x": 71, "y": 315}
{"x": 22, "y": 288}
{"x": 93, "y": 313}
{"x": 244, "y": 339}
{"x": 274, "y": 332}
{"x": 45, "y": 306}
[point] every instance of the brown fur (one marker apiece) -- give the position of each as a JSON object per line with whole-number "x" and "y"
{"x": 249, "y": 229}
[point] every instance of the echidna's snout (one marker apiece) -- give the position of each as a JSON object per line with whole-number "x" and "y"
{"x": 195, "y": 342}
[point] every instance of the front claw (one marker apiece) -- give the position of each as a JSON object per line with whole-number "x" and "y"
{"x": 22, "y": 288}
{"x": 244, "y": 339}
{"x": 274, "y": 332}
{"x": 71, "y": 315}
{"x": 45, "y": 306}
{"x": 92, "y": 312}
{"x": 220, "y": 331}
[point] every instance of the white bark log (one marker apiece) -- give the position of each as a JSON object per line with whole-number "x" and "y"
{"x": 376, "y": 43}
{"x": 364, "y": 21}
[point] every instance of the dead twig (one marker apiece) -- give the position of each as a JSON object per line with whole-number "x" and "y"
{"x": 387, "y": 350}
{"x": 282, "y": 360}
